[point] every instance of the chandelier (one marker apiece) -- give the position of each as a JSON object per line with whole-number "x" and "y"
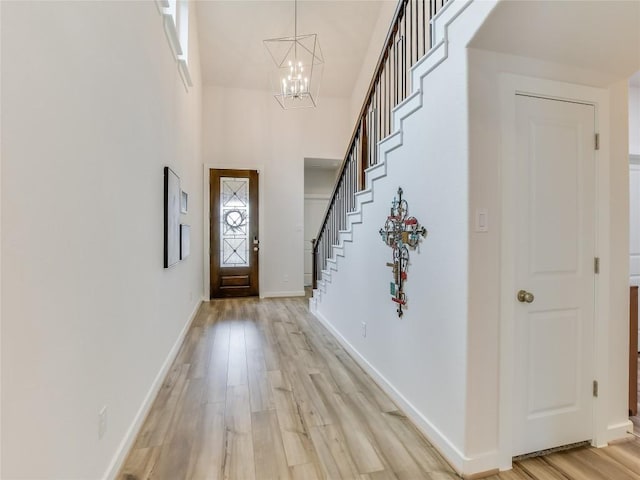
{"x": 297, "y": 68}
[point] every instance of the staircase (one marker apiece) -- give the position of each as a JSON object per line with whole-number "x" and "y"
{"x": 412, "y": 133}
{"x": 443, "y": 130}
{"x": 416, "y": 44}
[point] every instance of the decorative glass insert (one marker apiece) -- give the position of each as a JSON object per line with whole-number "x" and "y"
{"x": 234, "y": 222}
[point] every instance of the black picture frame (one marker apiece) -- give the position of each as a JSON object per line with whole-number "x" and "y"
{"x": 171, "y": 218}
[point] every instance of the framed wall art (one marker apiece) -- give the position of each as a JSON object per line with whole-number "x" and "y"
{"x": 401, "y": 232}
{"x": 184, "y": 200}
{"x": 171, "y": 218}
{"x": 185, "y": 241}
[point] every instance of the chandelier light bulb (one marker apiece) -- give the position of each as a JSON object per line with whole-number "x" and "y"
{"x": 294, "y": 85}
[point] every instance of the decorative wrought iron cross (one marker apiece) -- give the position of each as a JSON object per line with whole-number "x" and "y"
{"x": 400, "y": 232}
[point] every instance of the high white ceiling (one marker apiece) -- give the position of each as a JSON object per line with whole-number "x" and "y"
{"x": 602, "y": 36}
{"x": 231, "y": 34}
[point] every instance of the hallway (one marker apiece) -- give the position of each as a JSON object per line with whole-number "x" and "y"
{"x": 261, "y": 390}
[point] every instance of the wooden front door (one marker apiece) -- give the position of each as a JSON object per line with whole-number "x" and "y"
{"x": 555, "y": 156}
{"x": 234, "y": 233}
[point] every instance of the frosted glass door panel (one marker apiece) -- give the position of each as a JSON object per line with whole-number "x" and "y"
{"x": 234, "y": 221}
{"x": 235, "y": 242}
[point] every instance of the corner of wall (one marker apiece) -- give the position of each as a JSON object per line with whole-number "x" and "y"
{"x": 86, "y": 134}
{"x": 634, "y": 120}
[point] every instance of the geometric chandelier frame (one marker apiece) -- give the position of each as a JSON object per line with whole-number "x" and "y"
{"x": 297, "y": 68}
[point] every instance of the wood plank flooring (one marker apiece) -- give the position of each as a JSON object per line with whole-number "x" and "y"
{"x": 260, "y": 390}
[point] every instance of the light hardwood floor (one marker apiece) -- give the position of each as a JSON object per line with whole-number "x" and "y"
{"x": 260, "y": 390}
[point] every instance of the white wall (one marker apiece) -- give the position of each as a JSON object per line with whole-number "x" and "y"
{"x": 93, "y": 107}
{"x": 247, "y": 128}
{"x": 1, "y": 355}
{"x": 315, "y": 206}
{"x": 595, "y": 78}
{"x": 634, "y": 120}
{"x": 484, "y": 80}
{"x": 421, "y": 358}
{"x": 370, "y": 59}
{"x": 244, "y": 128}
{"x": 616, "y": 365}
{"x": 449, "y": 339}
{"x": 320, "y": 181}
{"x": 318, "y": 186}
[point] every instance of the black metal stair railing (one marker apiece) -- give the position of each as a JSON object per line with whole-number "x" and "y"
{"x": 408, "y": 40}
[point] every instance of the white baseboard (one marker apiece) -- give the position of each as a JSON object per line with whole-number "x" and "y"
{"x": 141, "y": 415}
{"x": 618, "y": 431}
{"x": 312, "y": 303}
{"x": 459, "y": 462}
{"x": 293, "y": 293}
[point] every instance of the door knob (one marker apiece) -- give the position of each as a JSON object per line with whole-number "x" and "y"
{"x": 525, "y": 297}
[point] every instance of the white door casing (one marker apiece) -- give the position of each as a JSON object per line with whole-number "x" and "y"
{"x": 555, "y": 249}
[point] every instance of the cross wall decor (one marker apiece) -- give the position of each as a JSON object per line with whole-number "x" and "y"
{"x": 400, "y": 232}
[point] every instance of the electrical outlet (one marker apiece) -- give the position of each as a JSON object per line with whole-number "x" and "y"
{"x": 285, "y": 278}
{"x": 364, "y": 329}
{"x": 102, "y": 422}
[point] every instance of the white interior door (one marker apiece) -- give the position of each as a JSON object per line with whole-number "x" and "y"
{"x": 555, "y": 263}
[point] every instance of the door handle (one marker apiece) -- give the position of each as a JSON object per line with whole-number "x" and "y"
{"x": 525, "y": 297}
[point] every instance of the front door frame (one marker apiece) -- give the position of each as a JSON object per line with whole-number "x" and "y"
{"x": 510, "y": 85}
{"x": 207, "y": 220}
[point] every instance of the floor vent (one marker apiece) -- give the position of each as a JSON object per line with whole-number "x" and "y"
{"x": 562, "y": 448}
